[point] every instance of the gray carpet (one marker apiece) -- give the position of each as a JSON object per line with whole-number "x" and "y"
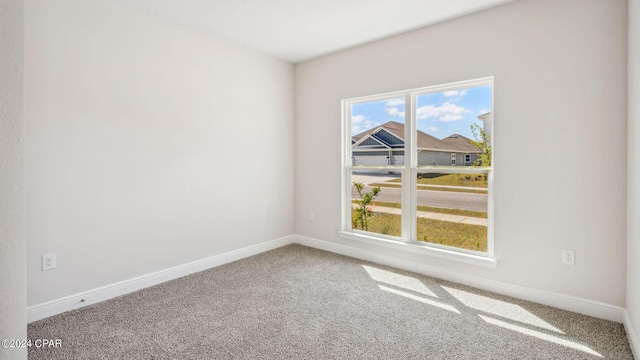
{"x": 301, "y": 303}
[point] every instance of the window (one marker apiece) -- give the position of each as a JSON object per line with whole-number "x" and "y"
{"x": 402, "y": 179}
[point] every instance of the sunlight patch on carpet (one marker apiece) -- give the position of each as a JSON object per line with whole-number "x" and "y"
{"x": 500, "y": 308}
{"x": 401, "y": 281}
{"x": 420, "y": 299}
{"x": 541, "y": 336}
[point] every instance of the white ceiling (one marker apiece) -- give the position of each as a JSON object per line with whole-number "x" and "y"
{"x": 299, "y": 30}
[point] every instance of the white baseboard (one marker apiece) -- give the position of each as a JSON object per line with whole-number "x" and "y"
{"x": 565, "y": 302}
{"x": 632, "y": 335}
{"x": 75, "y": 301}
{"x": 575, "y": 304}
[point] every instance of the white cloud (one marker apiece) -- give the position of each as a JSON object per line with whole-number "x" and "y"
{"x": 455, "y": 93}
{"x": 432, "y": 129}
{"x": 445, "y": 112}
{"x": 357, "y": 119}
{"x": 394, "y": 111}
{"x": 392, "y": 107}
{"x": 360, "y": 123}
{"x": 357, "y": 124}
{"x": 394, "y": 102}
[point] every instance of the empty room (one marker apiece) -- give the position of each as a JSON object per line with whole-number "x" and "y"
{"x": 407, "y": 179}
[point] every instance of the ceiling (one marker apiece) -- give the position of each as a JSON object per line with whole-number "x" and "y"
{"x": 299, "y": 30}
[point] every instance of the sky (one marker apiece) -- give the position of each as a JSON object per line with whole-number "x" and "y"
{"x": 438, "y": 114}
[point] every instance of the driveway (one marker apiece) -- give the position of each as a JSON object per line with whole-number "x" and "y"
{"x": 373, "y": 177}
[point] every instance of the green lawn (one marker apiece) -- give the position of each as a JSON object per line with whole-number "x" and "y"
{"x": 469, "y": 180}
{"x": 465, "y": 236}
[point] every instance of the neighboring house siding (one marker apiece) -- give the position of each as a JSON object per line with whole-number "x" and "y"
{"x": 436, "y": 158}
{"x": 380, "y": 158}
{"x": 371, "y": 142}
{"x": 370, "y": 153}
{"x": 473, "y": 158}
{"x": 388, "y": 138}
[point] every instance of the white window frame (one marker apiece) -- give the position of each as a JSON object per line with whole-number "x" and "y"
{"x": 409, "y": 171}
{"x": 454, "y": 158}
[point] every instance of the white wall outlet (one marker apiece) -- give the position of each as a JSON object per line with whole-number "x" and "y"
{"x": 568, "y": 257}
{"x": 48, "y": 262}
{"x": 311, "y": 216}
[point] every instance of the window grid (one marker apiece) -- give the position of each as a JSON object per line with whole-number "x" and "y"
{"x": 410, "y": 169}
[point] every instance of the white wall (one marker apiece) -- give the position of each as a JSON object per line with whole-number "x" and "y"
{"x": 13, "y": 246}
{"x": 633, "y": 189}
{"x": 560, "y": 134}
{"x": 148, "y": 145}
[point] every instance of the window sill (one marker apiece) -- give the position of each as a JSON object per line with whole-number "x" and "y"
{"x": 479, "y": 260}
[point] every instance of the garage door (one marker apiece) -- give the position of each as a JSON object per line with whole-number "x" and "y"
{"x": 371, "y": 160}
{"x": 397, "y": 160}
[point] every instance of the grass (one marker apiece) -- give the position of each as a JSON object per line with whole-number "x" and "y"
{"x": 431, "y": 188}
{"x": 438, "y": 210}
{"x": 387, "y": 224}
{"x": 464, "y": 236}
{"x": 467, "y": 180}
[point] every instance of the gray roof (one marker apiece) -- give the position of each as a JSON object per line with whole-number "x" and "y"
{"x": 461, "y": 142}
{"x": 393, "y": 127}
{"x": 453, "y": 143}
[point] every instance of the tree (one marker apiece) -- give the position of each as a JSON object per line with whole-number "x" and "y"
{"x": 362, "y": 212}
{"x": 483, "y": 143}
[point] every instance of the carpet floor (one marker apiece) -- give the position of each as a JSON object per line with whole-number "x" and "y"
{"x": 297, "y": 302}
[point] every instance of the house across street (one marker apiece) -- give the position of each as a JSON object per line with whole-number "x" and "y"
{"x": 385, "y": 146}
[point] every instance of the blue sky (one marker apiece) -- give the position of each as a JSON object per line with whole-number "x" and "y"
{"x": 439, "y": 114}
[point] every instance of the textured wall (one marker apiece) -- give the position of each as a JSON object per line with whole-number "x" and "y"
{"x": 148, "y": 145}
{"x": 559, "y": 136}
{"x": 633, "y": 181}
{"x": 13, "y": 285}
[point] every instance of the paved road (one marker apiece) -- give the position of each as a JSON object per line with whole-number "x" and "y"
{"x": 443, "y": 199}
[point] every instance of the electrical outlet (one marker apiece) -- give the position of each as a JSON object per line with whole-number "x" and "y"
{"x": 568, "y": 257}
{"x": 311, "y": 216}
{"x": 48, "y": 262}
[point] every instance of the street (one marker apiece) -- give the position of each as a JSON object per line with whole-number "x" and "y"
{"x": 442, "y": 199}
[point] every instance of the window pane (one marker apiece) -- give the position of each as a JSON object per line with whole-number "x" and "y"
{"x": 452, "y": 210}
{"x": 376, "y": 202}
{"x": 377, "y": 133}
{"x": 452, "y": 125}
